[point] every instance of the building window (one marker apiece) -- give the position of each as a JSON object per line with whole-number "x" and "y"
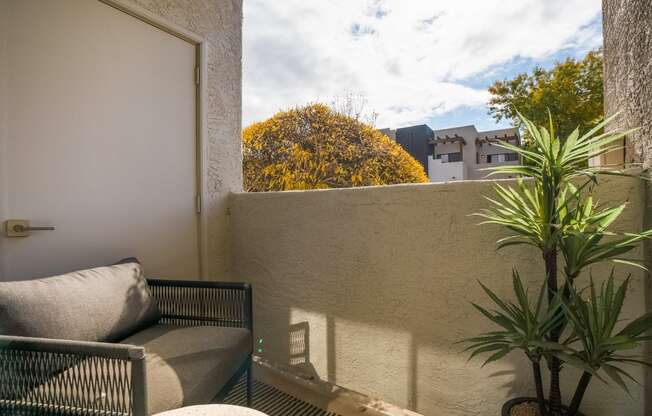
{"x": 511, "y": 157}
{"x": 455, "y": 157}
{"x": 449, "y": 157}
{"x": 502, "y": 157}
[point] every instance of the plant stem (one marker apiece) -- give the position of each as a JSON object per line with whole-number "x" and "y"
{"x": 536, "y": 369}
{"x": 579, "y": 394}
{"x": 569, "y": 284}
{"x": 550, "y": 259}
{"x": 554, "y": 397}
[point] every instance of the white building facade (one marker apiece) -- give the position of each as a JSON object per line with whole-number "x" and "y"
{"x": 459, "y": 153}
{"x": 462, "y": 153}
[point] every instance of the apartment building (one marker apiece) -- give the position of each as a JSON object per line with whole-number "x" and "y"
{"x": 457, "y": 153}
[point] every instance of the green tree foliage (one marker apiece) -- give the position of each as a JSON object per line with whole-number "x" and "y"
{"x": 572, "y": 91}
{"x": 316, "y": 147}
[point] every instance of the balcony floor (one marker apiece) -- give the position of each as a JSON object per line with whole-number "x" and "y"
{"x": 279, "y": 392}
{"x": 273, "y": 401}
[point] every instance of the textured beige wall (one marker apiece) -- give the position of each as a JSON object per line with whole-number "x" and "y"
{"x": 219, "y": 22}
{"x": 376, "y": 283}
{"x": 628, "y": 71}
{"x": 628, "y": 88}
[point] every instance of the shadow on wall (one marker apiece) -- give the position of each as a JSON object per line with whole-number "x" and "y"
{"x": 299, "y": 350}
{"x": 352, "y": 349}
{"x": 370, "y": 289}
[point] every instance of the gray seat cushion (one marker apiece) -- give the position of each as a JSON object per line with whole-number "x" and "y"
{"x": 101, "y": 304}
{"x": 189, "y": 365}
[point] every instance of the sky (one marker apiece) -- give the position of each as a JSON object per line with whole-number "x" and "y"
{"x": 413, "y": 61}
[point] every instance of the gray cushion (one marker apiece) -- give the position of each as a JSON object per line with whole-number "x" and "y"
{"x": 189, "y": 365}
{"x": 101, "y": 304}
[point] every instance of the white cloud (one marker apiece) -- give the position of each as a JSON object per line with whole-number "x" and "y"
{"x": 406, "y": 56}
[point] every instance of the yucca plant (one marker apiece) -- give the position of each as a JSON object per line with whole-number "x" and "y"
{"x": 550, "y": 208}
{"x": 601, "y": 347}
{"x": 524, "y": 327}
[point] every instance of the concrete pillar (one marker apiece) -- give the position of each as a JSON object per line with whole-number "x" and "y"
{"x": 628, "y": 72}
{"x": 627, "y": 27}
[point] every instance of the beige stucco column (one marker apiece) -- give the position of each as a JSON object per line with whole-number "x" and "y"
{"x": 628, "y": 72}
{"x": 628, "y": 88}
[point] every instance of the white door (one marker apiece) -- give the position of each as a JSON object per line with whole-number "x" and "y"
{"x": 99, "y": 137}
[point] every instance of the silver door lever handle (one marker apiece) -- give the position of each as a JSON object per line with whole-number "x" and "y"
{"x": 21, "y": 228}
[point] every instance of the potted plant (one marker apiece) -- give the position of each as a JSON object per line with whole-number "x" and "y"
{"x": 565, "y": 322}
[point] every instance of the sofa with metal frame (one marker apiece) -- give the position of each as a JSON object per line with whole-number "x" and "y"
{"x": 41, "y": 376}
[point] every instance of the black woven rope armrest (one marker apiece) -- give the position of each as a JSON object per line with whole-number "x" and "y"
{"x": 45, "y": 376}
{"x": 182, "y": 302}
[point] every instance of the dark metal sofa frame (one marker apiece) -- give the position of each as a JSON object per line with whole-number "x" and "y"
{"x": 61, "y": 377}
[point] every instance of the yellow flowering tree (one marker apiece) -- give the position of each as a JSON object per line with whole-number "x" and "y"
{"x": 315, "y": 147}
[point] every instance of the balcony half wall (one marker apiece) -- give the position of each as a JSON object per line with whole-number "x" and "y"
{"x": 369, "y": 288}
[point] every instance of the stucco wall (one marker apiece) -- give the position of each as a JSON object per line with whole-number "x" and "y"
{"x": 369, "y": 288}
{"x": 628, "y": 72}
{"x": 628, "y": 88}
{"x": 219, "y": 22}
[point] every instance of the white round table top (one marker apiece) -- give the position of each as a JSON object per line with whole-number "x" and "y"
{"x": 212, "y": 410}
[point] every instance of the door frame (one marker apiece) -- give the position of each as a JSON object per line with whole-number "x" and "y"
{"x": 201, "y": 143}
